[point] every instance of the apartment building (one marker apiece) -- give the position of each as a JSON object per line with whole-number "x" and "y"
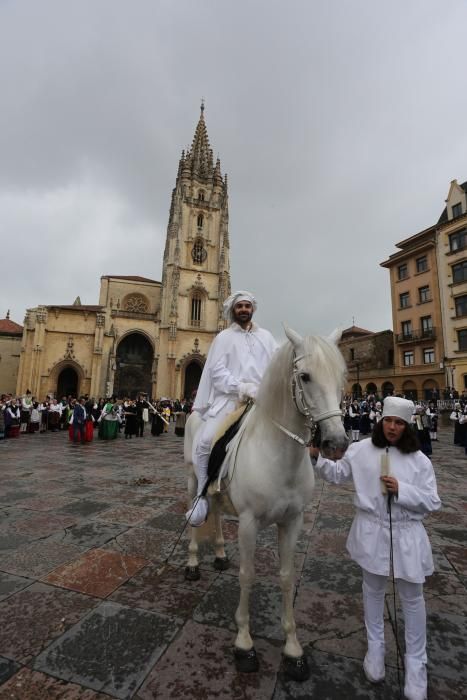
{"x": 417, "y": 318}
{"x": 428, "y": 276}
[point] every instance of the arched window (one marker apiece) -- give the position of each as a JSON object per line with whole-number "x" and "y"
{"x": 196, "y": 308}
{"x": 200, "y": 220}
{"x": 201, "y": 195}
{"x": 199, "y": 253}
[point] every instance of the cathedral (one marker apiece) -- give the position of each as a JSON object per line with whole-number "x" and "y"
{"x": 144, "y": 335}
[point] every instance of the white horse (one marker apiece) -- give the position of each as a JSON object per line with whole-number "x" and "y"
{"x": 271, "y": 479}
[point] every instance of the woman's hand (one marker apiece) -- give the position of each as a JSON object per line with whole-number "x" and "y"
{"x": 391, "y": 484}
{"x": 314, "y": 452}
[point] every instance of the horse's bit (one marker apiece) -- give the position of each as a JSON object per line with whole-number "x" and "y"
{"x": 298, "y": 396}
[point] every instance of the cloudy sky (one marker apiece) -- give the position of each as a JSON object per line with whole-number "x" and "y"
{"x": 340, "y": 123}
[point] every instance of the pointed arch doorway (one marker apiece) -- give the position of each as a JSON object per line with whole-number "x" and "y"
{"x": 193, "y": 373}
{"x": 67, "y": 383}
{"x": 134, "y": 366}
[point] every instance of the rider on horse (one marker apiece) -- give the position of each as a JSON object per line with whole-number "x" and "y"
{"x": 234, "y": 368}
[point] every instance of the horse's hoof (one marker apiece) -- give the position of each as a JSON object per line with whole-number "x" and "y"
{"x": 296, "y": 669}
{"x": 246, "y": 661}
{"x": 221, "y": 563}
{"x": 192, "y": 573}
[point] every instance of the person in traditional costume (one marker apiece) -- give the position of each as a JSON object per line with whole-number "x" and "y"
{"x": 354, "y": 412}
{"x": 433, "y": 413}
{"x": 109, "y": 421}
{"x": 35, "y": 419}
{"x": 12, "y": 420}
{"x": 131, "y": 420}
{"x": 55, "y": 412}
{"x": 79, "y": 422}
{"x": 180, "y": 420}
{"x": 25, "y": 410}
{"x": 390, "y": 458}
{"x": 454, "y": 416}
{"x": 421, "y": 424}
{"x": 235, "y": 365}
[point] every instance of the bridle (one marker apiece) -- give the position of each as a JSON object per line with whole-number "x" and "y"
{"x": 298, "y": 396}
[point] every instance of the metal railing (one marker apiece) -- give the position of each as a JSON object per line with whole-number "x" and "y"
{"x": 421, "y": 334}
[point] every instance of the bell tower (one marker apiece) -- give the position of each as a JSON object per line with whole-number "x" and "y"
{"x": 196, "y": 266}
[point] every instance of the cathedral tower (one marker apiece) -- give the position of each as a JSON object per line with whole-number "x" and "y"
{"x": 195, "y": 277}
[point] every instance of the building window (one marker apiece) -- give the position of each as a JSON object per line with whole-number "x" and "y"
{"x": 461, "y": 305}
{"x": 404, "y": 300}
{"x": 422, "y": 264}
{"x": 391, "y": 357}
{"x": 456, "y": 210}
{"x": 462, "y": 339}
{"x": 428, "y": 356}
{"x": 459, "y": 272}
{"x": 199, "y": 253}
{"x": 352, "y": 354}
{"x": 200, "y": 220}
{"x": 407, "y": 329}
{"x": 424, "y": 294}
{"x": 402, "y": 271}
{"x": 201, "y": 195}
{"x": 458, "y": 240}
{"x": 427, "y": 326}
{"x": 408, "y": 358}
{"x": 196, "y": 302}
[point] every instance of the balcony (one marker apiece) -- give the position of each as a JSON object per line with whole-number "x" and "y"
{"x": 415, "y": 336}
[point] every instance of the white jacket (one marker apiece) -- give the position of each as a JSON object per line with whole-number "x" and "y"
{"x": 236, "y": 357}
{"x": 368, "y": 542}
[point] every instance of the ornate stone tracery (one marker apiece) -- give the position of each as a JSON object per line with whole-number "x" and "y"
{"x": 136, "y": 303}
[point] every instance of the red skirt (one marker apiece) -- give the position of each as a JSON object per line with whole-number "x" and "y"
{"x": 13, "y": 431}
{"x": 89, "y": 431}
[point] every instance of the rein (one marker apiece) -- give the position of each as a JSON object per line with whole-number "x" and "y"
{"x": 298, "y": 397}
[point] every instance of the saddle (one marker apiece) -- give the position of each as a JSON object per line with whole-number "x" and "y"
{"x": 225, "y": 434}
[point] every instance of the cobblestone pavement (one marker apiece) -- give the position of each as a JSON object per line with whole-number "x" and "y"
{"x": 84, "y": 613}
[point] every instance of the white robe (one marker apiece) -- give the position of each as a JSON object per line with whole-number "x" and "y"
{"x": 236, "y": 356}
{"x": 368, "y": 542}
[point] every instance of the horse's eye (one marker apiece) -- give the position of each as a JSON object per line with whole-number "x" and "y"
{"x": 304, "y": 376}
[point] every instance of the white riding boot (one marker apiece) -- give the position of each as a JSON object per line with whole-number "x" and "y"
{"x": 415, "y": 687}
{"x": 373, "y": 604}
{"x": 373, "y": 663}
{"x": 199, "y": 510}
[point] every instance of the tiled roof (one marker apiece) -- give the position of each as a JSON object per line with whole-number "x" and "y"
{"x": 7, "y": 326}
{"x": 355, "y": 330}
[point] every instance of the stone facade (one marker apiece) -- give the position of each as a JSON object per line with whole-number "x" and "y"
{"x": 144, "y": 335}
{"x": 369, "y": 357}
{"x": 10, "y": 350}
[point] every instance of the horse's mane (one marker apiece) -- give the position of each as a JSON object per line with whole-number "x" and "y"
{"x": 323, "y": 358}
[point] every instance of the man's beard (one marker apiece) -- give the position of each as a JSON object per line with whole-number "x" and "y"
{"x": 243, "y": 317}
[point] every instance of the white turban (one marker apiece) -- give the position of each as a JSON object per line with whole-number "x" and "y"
{"x": 234, "y": 299}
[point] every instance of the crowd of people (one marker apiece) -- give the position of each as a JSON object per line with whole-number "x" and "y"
{"x": 83, "y": 416}
{"x": 361, "y": 415}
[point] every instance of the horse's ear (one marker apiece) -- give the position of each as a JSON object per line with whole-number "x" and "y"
{"x": 335, "y": 336}
{"x": 294, "y": 337}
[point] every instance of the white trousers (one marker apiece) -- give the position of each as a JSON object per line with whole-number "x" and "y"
{"x": 208, "y": 432}
{"x": 413, "y": 609}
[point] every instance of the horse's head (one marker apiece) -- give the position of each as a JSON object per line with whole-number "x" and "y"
{"x": 318, "y": 377}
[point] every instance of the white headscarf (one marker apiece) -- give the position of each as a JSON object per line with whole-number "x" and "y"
{"x": 234, "y": 299}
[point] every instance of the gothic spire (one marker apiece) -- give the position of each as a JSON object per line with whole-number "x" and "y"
{"x": 201, "y": 152}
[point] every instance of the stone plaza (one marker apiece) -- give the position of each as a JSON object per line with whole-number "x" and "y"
{"x": 88, "y": 612}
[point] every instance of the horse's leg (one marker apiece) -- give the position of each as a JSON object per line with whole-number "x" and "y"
{"x": 192, "y": 568}
{"x": 245, "y": 655}
{"x": 221, "y": 562}
{"x": 295, "y": 663}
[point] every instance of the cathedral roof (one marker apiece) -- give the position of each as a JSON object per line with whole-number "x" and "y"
{"x": 76, "y": 307}
{"x": 198, "y": 162}
{"x": 131, "y": 278}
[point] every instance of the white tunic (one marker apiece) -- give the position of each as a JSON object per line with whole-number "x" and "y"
{"x": 368, "y": 542}
{"x": 236, "y": 356}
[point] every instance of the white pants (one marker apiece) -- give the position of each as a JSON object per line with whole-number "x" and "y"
{"x": 413, "y": 608}
{"x": 208, "y": 431}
